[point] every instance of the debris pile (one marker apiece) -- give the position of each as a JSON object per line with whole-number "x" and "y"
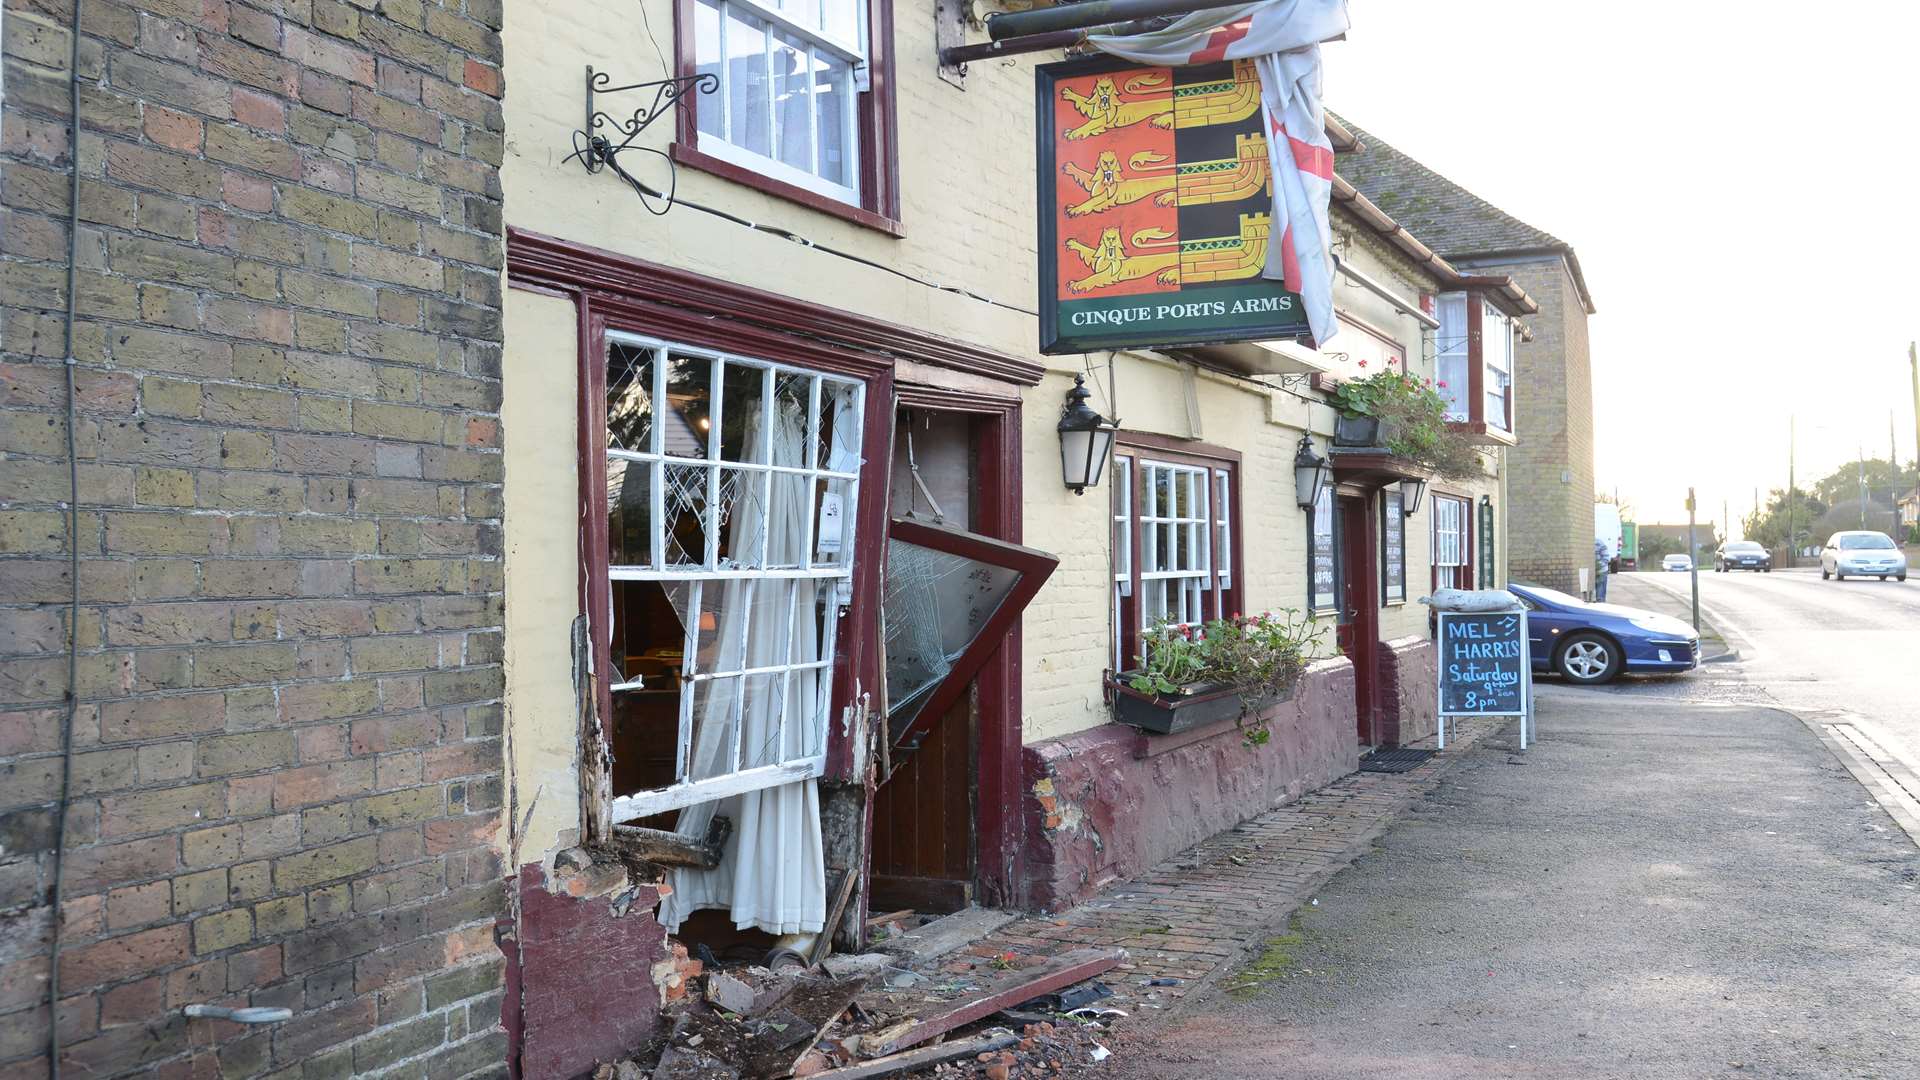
{"x": 755, "y": 1023}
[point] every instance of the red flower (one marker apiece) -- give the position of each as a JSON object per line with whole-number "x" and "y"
{"x": 1363, "y": 363}
{"x": 1443, "y": 385}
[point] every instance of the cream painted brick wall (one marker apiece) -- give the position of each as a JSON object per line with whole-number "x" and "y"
{"x": 967, "y": 181}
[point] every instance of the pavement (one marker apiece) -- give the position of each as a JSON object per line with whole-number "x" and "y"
{"x": 1664, "y": 885}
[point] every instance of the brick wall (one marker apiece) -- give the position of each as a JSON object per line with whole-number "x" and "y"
{"x": 287, "y": 764}
{"x": 1550, "y": 470}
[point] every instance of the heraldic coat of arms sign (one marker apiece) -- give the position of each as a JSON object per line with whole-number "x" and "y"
{"x": 1155, "y": 207}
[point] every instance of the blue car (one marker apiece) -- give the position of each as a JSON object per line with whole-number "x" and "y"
{"x": 1594, "y": 643}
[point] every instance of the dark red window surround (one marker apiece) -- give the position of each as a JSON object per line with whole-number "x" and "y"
{"x": 1476, "y": 422}
{"x": 879, "y": 135}
{"x": 1222, "y": 601}
{"x": 1461, "y": 576}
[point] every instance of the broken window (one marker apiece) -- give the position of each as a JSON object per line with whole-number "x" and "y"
{"x": 731, "y": 485}
{"x": 950, "y": 598}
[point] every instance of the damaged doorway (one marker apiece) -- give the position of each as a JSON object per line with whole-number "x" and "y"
{"x": 945, "y": 822}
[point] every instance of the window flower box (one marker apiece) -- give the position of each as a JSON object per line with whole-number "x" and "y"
{"x": 1196, "y": 675}
{"x": 1191, "y": 707}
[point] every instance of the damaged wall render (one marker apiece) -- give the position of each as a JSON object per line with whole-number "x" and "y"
{"x": 1110, "y": 802}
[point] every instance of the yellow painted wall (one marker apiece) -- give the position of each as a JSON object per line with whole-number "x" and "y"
{"x": 967, "y": 187}
{"x": 542, "y": 492}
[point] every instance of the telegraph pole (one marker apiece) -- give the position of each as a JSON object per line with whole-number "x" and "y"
{"x": 1893, "y": 463}
{"x": 1694, "y": 562}
{"x": 1861, "y": 456}
{"x": 1790, "y": 456}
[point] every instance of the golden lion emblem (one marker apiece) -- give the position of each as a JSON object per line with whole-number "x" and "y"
{"x": 1112, "y": 264}
{"x": 1107, "y": 186}
{"x": 1106, "y": 111}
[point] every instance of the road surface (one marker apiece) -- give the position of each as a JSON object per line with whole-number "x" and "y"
{"x": 1813, "y": 645}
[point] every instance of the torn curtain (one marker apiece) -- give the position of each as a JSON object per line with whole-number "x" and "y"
{"x": 1283, "y": 38}
{"x": 772, "y": 872}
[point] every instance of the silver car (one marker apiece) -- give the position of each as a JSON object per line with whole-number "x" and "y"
{"x": 1862, "y": 553}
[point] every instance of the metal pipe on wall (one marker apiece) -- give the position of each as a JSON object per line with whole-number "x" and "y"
{"x": 1092, "y": 13}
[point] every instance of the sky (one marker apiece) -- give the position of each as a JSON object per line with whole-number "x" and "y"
{"x": 1737, "y": 179}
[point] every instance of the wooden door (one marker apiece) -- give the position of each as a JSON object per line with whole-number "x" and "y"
{"x": 1359, "y": 631}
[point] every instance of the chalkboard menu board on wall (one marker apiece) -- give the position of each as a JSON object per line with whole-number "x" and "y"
{"x": 1483, "y": 663}
{"x": 1325, "y": 586}
{"x": 1393, "y": 549}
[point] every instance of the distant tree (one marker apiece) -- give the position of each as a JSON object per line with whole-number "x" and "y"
{"x": 1769, "y": 527}
{"x": 1659, "y": 546}
{"x": 1883, "y": 480}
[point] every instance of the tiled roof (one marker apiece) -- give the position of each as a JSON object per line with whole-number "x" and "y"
{"x": 1452, "y": 220}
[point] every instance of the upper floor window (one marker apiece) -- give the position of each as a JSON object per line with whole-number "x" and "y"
{"x": 1496, "y": 334}
{"x": 1473, "y": 361}
{"x": 1450, "y": 351}
{"x": 802, "y": 109}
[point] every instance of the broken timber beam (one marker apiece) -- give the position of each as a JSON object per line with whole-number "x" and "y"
{"x": 1064, "y": 970}
{"x": 896, "y": 1064}
{"x": 672, "y": 849}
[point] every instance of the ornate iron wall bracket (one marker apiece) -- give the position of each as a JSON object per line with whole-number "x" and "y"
{"x": 597, "y": 150}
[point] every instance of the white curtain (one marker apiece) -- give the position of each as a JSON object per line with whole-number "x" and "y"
{"x": 772, "y": 872}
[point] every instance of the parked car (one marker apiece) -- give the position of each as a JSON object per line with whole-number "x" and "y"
{"x": 1593, "y": 643}
{"x": 1742, "y": 555}
{"x": 1862, "y": 553}
{"x": 1677, "y": 562}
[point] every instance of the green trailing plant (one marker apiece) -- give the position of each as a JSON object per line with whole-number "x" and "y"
{"x": 1259, "y": 656}
{"x": 1413, "y": 421}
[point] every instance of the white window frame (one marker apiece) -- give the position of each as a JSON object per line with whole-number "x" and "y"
{"x": 1452, "y": 355}
{"x": 855, "y": 53}
{"x": 1496, "y": 337}
{"x": 682, "y": 792}
{"x": 1195, "y": 578}
{"x": 1452, "y": 539}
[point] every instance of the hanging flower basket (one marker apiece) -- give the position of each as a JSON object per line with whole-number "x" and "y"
{"x": 1408, "y": 417}
{"x": 1356, "y": 431}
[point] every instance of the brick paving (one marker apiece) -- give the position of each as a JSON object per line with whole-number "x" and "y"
{"x": 1190, "y": 920}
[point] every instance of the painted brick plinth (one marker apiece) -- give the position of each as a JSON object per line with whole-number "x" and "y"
{"x": 1109, "y": 802}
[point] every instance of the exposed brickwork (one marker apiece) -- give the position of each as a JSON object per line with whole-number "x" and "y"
{"x": 287, "y": 769}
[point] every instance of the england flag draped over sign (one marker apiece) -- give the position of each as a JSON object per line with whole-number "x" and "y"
{"x": 1283, "y": 38}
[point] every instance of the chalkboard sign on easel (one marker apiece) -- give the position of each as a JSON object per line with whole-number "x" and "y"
{"x": 1485, "y": 667}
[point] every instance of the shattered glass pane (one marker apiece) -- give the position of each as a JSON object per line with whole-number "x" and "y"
{"x": 936, "y": 604}
{"x": 839, "y": 426}
{"x": 792, "y": 397}
{"x": 629, "y": 397}
{"x": 685, "y": 496}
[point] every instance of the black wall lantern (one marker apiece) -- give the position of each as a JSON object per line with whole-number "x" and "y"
{"x": 1410, "y": 492}
{"x": 1311, "y": 474}
{"x": 1086, "y": 441}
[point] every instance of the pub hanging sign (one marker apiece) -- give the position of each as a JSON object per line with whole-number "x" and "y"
{"x": 1155, "y": 208}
